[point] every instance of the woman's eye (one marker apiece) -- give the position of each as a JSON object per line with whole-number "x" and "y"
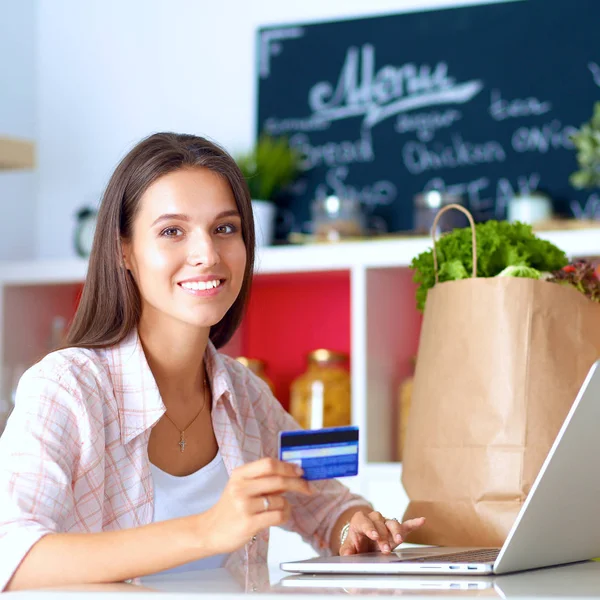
{"x": 171, "y": 232}
{"x": 226, "y": 228}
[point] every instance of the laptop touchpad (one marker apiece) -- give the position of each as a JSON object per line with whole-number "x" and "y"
{"x": 393, "y": 557}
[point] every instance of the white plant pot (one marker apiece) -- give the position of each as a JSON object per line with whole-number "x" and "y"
{"x": 264, "y": 222}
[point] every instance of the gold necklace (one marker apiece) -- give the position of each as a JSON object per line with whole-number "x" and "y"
{"x": 182, "y": 441}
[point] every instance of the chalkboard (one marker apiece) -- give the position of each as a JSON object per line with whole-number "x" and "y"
{"x": 478, "y": 100}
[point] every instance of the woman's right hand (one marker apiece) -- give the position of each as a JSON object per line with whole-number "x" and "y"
{"x": 252, "y": 501}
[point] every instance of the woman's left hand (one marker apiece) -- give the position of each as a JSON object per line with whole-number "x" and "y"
{"x": 372, "y": 533}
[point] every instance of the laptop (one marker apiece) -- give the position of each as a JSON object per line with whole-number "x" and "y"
{"x": 566, "y": 581}
{"x": 375, "y": 583}
{"x": 559, "y": 521}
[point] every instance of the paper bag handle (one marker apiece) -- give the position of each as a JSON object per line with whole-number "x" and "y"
{"x": 434, "y": 229}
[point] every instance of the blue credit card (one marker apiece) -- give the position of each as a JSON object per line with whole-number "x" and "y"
{"x": 322, "y": 453}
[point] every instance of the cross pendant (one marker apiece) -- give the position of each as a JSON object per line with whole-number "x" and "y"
{"x": 181, "y": 442}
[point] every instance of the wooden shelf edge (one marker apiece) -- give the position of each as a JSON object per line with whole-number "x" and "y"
{"x": 16, "y": 154}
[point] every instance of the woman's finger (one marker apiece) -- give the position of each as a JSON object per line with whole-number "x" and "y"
{"x": 276, "y": 484}
{"x": 355, "y": 543}
{"x": 365, "y": 530}
{"x": 384, "y": 539}
{"x": 410, "y": 525}
{"x": 348, "y": 547}
{"x": 374, "y": 530}
{"x": 266, "y": 503}
{"x": 395, "y": 529}
{"x": 268, "y": 466}
{"x": 271, "y": 518}
{"x": 360, "y": 523}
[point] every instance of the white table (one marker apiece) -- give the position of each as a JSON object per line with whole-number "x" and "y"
{"x": 580, "y": 580}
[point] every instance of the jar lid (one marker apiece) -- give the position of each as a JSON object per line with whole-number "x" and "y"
{"x": 322, "y": 355}
{"x": 254, "y": 364}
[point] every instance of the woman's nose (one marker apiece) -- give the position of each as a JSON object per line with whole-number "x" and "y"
{"x": 203, "y": 251}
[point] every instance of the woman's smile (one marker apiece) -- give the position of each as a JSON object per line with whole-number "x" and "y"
{"x": 203, "y": 287}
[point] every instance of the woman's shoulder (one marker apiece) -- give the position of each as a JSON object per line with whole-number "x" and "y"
{"x": 72, "y": 366}
{"x": 72, "y": 382}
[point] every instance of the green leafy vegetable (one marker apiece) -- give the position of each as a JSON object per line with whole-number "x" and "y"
{"x": 500, "y": 244}
{"x": 580, "y": 275}
{"x": 520, "y": 271}
{"x": 452, "y": 270}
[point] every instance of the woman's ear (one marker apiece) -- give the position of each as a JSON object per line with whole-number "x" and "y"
{"x": 125, "y": 259}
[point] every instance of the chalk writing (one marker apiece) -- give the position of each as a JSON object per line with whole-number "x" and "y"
{"x": 418, "y": 157}
{"x": 333, "y": 154}
{"x": 270, "y": 46}
{"x": 550, "y": 136}
{"x": 502, "y": 109}
{"x": 590, "y": 209}
{"x": 379, "y": 193}
{"x": 280, "y": 126}
{"x": 469, "y": 190}
{"x": 426, "y": 124}
{"x": 391, "y": 90}
{"x": 482, "y": 199}
{"x": 381, "y": 107}
{"x": 505, "y": 191}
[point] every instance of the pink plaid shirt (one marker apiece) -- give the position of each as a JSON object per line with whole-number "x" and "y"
{"x": 73, "y": 457}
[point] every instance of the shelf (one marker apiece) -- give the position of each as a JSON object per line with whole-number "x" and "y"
{"x": 297, "y": 259}
{"x": 395, "y": 252}
{"x": 16, "y": 154}
{"x": 43, "y": 272}
{"x": 290, "y": 315}
{"x": 341, "y": 255}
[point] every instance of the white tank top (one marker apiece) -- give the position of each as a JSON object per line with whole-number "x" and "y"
{"x": 176, "y": 497}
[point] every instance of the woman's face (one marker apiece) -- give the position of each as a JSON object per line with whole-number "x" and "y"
{"x": 186, "y": 253}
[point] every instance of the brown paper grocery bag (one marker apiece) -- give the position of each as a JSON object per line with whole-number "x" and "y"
{"x": 500, "y": 362}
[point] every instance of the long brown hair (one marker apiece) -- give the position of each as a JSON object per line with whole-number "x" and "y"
{"x": 110, "y": 305}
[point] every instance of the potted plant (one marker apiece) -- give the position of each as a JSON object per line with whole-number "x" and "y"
{"x": 587, "y": 143}
{"x": 268, "y": 168}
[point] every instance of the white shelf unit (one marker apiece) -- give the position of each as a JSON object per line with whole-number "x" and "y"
{"x": 384, "y": 321}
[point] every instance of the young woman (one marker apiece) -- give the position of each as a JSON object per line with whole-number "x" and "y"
{"x": 139, "y": 448}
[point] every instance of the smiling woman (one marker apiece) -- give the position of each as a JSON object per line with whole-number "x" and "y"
{"x": 139, "y": 448}
{"x": 165, "y": 173}
{"x": 193, "y": 252}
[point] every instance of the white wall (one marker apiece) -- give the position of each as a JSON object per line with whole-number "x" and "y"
{"x": 111, "y": 72}
{"x": 18, "y": 222}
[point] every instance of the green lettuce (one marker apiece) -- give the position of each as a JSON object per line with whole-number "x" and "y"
{"x": 520, "y": 271}
{"x": 500, "y": 244}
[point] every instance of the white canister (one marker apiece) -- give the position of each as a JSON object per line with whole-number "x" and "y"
{"x": 529, "y": 208}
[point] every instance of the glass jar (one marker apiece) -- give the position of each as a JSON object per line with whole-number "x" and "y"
{"x": 427, "y": 205}
{"x": 321, "y": 396}
{"x": 335, "y": 218}
{"x": 258, "y": 367}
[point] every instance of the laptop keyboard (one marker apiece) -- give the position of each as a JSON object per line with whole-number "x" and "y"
{"x": 468, "y": 556}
